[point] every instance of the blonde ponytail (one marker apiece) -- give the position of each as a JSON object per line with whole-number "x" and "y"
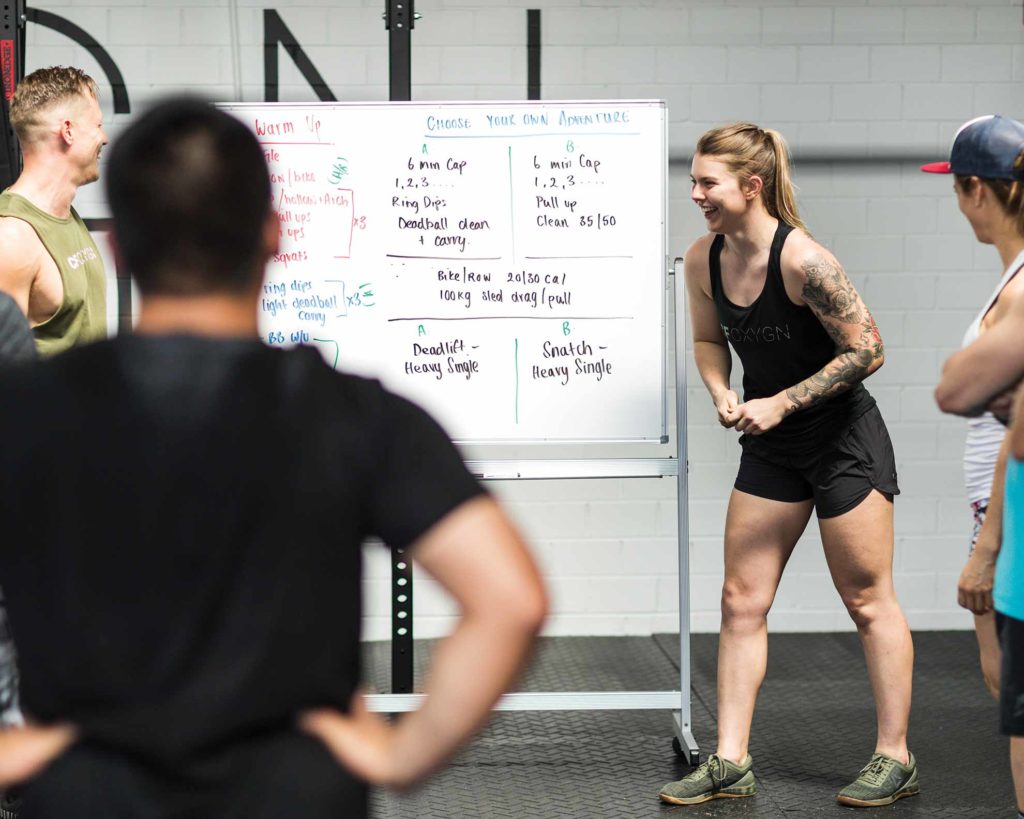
{"x": 748, "y": 151}
{"x": 783, "y": 206}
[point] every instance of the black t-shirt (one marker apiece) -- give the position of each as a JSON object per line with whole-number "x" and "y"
{"x": 182, "y": 521}
{"x": 780, "y": 345}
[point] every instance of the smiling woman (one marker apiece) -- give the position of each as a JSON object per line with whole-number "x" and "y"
{"x": 812, "y": 437}
{"x": 765, "y": 159}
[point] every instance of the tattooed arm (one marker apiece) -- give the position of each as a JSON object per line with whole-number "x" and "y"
{"x": 813, "y": 275}
{"x": 859, "y": 351}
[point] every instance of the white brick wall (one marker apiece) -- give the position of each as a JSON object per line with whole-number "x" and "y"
{"x": 889, "y": 79}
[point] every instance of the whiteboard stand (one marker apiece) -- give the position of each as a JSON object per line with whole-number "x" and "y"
{"x": 369, "y": 255}
{"x": 683, "y": 741}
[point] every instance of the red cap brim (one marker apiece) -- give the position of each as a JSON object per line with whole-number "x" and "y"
{"x": 937, "y": 167}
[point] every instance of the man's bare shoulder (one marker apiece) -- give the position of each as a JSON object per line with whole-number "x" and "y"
{"x": 18, "y": 239}
{"x": 21, "y": 259}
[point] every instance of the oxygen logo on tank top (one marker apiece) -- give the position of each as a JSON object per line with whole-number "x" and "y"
{"x": 76, "y": 260}
{"x": 757, "y": 335}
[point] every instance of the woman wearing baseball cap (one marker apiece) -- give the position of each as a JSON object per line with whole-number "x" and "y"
{"x": 987, "y": 161}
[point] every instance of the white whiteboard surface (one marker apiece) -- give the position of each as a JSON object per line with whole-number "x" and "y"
{"x": 502, "y": 264}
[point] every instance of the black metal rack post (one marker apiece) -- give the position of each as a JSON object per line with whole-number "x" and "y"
{"x": 399, "y": 23}
{"x": 12, "y": 69}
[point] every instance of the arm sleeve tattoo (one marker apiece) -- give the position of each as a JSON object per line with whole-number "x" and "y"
{"x": 832, "y": 297}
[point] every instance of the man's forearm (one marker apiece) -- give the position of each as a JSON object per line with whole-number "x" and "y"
{"x": 26, "y": 751}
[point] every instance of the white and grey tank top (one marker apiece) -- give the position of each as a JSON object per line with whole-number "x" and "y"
{"x": 984, "y": 433}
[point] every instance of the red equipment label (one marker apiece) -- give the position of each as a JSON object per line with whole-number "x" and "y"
{"x": 7, "y": 67}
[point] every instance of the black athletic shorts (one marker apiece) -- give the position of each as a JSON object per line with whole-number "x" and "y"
{"x": 1011, "y": 677}
{"x": 838, "y": 472}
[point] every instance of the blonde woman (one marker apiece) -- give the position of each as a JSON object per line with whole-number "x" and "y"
{"x": 812, "y": 438}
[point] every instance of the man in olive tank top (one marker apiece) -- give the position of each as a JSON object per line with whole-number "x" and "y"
{"x": 50, "y": 265}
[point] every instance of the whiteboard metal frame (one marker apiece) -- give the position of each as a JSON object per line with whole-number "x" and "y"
{"x": 545, "y": 701}
{"x": 684, "y": 717}
{"x": 679, "y": 702}
{"x": 232, "y": 107}
{"x": 502, "y": 470}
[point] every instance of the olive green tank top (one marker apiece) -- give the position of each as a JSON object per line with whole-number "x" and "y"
{"x": 82, "y": 315}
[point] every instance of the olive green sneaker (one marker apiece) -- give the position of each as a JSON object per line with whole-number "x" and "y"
{"x": 881, "y": 782}
{"x": 717, "y": 778}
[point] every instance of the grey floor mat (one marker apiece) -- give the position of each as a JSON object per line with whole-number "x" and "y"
{"x": 813, "y": 730}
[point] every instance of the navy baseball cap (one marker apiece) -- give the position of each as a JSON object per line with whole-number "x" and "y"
{"x": 986, "y": 146}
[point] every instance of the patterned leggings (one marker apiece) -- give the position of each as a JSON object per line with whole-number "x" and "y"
{"x": 980, "y": 509}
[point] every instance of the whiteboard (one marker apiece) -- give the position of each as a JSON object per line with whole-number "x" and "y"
{"x": 502, "y": 264}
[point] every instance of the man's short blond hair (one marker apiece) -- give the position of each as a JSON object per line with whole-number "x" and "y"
{"x": 40, "y": 91}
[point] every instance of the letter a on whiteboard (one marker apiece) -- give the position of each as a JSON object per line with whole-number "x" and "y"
{"x": 422, "y": 330}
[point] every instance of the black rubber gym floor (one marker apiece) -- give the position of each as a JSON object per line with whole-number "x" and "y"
{"x": 813, "y": 730}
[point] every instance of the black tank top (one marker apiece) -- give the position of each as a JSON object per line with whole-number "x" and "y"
{"x": 780, "y": 344}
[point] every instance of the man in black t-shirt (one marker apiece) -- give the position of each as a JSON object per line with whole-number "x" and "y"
{"x": 16, "y": 347}
{"x": 184, "y": 511}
